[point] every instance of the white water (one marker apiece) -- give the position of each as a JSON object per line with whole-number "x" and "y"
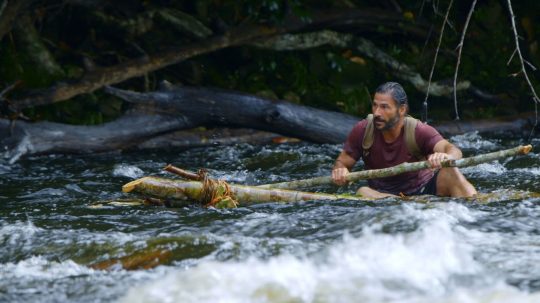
{"x": 129, "y": 171}
{"x": 309, "y": 252}
{"x": 434, "y": 263}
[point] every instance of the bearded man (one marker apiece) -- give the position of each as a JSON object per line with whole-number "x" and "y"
{"x": 389, "y": 137}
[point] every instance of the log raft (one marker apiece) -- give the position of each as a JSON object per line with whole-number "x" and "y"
{"x": 182, "y": 193}
{"x": 221, "y": 194}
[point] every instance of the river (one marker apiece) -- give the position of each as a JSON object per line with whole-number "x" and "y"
{"x": 447, "y": 250}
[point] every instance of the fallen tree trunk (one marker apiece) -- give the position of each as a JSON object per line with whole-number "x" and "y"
{"x": 48, "y": 137}
{"x": 185, "y": 108}
{"x": 403, "y": 168}
{"x": 227, "y": 108}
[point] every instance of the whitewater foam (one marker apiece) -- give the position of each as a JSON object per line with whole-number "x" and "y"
{"x": 431, "y": 264}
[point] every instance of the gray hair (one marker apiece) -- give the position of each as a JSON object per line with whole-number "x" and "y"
{"x": 395, "y": 90}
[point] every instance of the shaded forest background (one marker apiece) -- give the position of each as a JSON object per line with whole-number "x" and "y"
{"x": 47, "y": 45}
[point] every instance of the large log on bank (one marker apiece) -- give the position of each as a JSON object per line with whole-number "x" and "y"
{"x": 26, "y": 138}
{"x": 185, "y": 108}
{"x": 215, "y": 107}
{"x": 180, "y": 193}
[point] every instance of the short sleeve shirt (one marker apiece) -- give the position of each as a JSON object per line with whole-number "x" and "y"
{"x": 383, "y": 155}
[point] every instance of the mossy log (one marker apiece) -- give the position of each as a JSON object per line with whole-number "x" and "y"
{"x": 403, "y": 168}
{"x": 181, "y": 193}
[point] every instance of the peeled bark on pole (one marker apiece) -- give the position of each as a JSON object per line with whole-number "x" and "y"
{"x": 403, "y": 168}
{"x": 181, "y": 193}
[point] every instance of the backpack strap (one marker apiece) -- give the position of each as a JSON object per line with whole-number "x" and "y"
{"x": 367, "y": 141}
{"x": 410, "y": 138}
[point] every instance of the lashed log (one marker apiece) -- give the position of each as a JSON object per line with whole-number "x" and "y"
{"x": 181, "y": 193}
{"x": 403, "y": 168}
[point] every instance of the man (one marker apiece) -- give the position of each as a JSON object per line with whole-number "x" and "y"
{"x": 389, "y": 147}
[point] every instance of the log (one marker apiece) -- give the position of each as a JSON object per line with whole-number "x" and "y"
{"x": 215, "y": 107}
{"x": 185, "y": 108}
{"x": 403, "y": 168}
{"x": 181, "y": 193}
{"x": 48, "y": 137}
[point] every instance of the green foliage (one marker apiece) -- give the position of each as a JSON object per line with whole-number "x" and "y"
{"x": 318, "y": 77}
{"x": 325, "y": 77}
{"x": 16, "y": 66}
{"x": 89, "y": 109}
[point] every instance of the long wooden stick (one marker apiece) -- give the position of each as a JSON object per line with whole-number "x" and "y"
{"x": 182, "y": 173}
{"x": 403, "y": 168}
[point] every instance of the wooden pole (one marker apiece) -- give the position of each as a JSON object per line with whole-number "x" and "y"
{"x": 403, "y": 168}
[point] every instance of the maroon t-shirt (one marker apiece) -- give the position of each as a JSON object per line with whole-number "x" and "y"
{"x": 383, "y": 155}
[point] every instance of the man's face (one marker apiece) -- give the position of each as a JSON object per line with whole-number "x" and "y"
{"x": 386, "y": 112}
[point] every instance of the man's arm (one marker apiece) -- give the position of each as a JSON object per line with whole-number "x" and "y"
{"x": 443, "y": 150}
{"x": 344, "y": 163}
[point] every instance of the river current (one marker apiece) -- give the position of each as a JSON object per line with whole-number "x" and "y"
{"x": 447, "y": 250}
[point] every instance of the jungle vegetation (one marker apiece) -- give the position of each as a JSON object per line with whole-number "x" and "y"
{"x": 326, "y": 54}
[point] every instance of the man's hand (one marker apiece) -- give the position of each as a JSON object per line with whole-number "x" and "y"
{"x": 339, "y": 174}
{"x": 344, "y": 163}
{"x": 435, "y": 159}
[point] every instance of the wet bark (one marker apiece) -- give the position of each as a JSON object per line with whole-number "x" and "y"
{"x": 213, "y": 107}
{"x": 180, "y": 109}
{"x": 48, "y": 137}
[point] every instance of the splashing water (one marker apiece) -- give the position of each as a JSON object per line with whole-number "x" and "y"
{"x": 448, "y": 250}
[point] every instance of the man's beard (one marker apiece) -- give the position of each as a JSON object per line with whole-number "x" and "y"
{"x": 387, "y": 124}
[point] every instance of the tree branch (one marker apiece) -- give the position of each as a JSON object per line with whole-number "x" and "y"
{"x": 138, "y": 67}
{"x": 100, "y": 77}
{"x": 365, "y": 47}
{"x": 536, "y": 100}
{"x": 460, "y": 47}
{"x": 425, "y": 104}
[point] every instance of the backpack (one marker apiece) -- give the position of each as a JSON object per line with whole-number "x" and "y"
{"x": 410, "y": 140}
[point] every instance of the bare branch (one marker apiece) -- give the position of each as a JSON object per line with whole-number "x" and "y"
{"x": 523, "y": 70}
{"x": 460, "y": 47}
{"x": 366, "y": 48}
{"x": 511, "y": 57}
{"x": 530, "y": 65}
{"x": 435, "y": 58}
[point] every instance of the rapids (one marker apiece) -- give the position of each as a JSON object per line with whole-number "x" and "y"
{"x": 448, "y": 250}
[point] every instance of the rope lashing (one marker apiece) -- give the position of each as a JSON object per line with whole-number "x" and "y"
{"x": 215, "y": 193}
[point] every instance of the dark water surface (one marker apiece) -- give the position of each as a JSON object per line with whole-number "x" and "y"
{"x": 448, "y": 250}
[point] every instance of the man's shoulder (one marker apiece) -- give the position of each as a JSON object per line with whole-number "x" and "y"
{"x": 362, "y": 123}
{"x": 360, "y": 126}
{"x": 424, "y": 128}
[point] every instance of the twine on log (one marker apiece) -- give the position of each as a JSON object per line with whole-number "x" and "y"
{"x": 214, "y": 193}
